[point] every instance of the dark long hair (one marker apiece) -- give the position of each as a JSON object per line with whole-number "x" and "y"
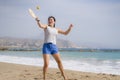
{"x": 53, "y": 19}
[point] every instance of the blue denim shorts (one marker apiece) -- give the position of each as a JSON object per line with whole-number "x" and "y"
{"x": 49, "y": 48}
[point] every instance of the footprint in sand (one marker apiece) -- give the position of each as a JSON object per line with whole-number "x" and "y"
{"x": 28, "y": 74}
{"x": 35, "y": 78}
{"x": 87, "y": 76}
{"x": 21, "y": 75}
{"x": 26, "y": 70}
{"x": 112, "y": 75}
{"x": 57, "y": 72}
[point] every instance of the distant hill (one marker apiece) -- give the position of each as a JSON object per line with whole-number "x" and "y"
{"x": 8, "y": 43}
{"x": 19, "y": 44}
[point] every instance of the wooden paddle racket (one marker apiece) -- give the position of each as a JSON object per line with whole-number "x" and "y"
{"x": 32, "y": 13}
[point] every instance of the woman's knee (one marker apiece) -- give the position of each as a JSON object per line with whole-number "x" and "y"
{"x": 46, "y": 65}
{"x": 59, "y": 61}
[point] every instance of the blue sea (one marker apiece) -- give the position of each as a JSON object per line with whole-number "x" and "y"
{"x": 97, "y": 62}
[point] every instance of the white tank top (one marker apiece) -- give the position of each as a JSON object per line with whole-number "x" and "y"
{"x": 50, "y": 35}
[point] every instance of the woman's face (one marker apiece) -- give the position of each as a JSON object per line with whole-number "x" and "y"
{"x": 51, "y": 22}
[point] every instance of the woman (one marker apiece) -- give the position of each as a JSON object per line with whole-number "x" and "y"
{"x": 49, "y": 46}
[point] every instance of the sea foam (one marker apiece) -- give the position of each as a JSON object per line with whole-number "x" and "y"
{"x": 105, "y": 66}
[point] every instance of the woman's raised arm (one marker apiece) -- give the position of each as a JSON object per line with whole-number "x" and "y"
{"x": 65, "y": 32}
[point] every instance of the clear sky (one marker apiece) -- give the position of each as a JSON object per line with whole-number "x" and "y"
{"x": 96, "y": 22}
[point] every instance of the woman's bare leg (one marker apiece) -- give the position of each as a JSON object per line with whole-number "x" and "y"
{"x": 46, "y": 63}
{"x": 59, "y": 62}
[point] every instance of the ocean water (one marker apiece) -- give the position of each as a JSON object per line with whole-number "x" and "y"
{"x": 97, "y": 62}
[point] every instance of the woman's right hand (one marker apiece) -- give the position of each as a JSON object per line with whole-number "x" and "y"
{"x": 37, "y": 19}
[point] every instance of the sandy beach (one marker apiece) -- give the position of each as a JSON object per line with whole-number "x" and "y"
{"x": 10, "y": 71}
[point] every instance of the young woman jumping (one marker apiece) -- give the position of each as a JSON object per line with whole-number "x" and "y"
{"x": 49, "y": 46}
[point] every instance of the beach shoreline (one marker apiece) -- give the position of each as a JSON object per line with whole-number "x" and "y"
{"x": 10, "y": 71}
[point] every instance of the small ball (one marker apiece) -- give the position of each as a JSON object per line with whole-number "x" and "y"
{"x": 37, "y": 7}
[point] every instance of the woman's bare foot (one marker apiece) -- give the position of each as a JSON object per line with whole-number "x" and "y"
{"x": 65, "y": 78}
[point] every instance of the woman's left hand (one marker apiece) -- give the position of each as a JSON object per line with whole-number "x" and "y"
{"x": 71, "y": 26}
